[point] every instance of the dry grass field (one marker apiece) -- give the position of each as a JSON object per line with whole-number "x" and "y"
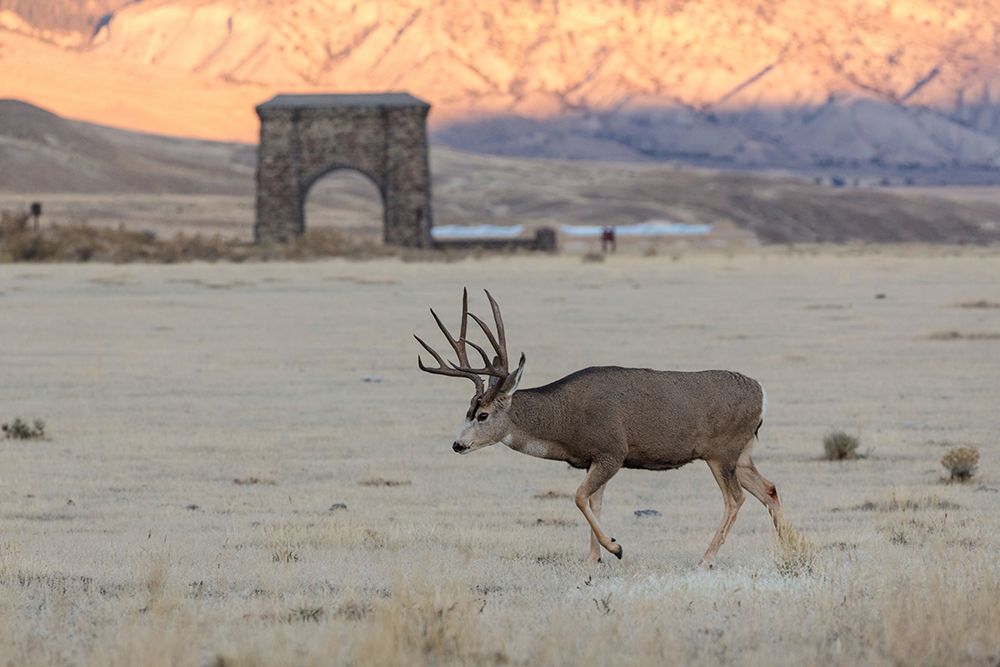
{"x": 243, "y": 465}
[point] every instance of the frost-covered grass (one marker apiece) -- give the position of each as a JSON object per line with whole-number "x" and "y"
{"x": 131, "y": 535}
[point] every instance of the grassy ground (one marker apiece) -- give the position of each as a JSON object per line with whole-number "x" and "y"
{"x": 205, "y": 421}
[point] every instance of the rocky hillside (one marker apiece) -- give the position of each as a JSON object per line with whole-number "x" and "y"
{"x": 41, "y": 152}
{"x": 896, "y": 89}
{"x": 82, "y": 17}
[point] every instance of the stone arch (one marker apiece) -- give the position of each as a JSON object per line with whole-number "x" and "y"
{"x": 304, "y": 137}
{"x": 309, "y": 180}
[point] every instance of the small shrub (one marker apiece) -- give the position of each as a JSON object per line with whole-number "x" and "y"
{"x": 593, "y": 257}
{"x": 840, "y": 446}
{"x": 21, "y": 430}
{"x": 12, "y": 223}
{"x": 961, "y": 463}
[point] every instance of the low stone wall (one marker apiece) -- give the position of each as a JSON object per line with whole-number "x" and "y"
{"x": 543, "y": 241}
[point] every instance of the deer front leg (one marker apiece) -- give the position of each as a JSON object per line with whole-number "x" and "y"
{"x": 732, "y": 494}
{"x": 597, "y": 476}
{"x": 596, "y": 501}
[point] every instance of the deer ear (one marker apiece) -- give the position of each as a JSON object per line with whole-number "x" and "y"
{"x": 511, "y": 382}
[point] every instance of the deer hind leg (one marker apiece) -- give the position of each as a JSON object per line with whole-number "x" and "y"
{"x": 597, "y": 476}
{"x": 596, "y": 501}
{"x": 761, "y": 489}
{"x": 732, "y": 494}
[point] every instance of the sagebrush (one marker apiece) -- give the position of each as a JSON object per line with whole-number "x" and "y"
{"x": 84, "y": 243}
{"x": 22, "y": 430}
{"x": 961, "y": 463}
{"x": 841, "y": 446}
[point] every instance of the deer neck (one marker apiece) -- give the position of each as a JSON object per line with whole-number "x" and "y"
{"x": 533, "y": 430}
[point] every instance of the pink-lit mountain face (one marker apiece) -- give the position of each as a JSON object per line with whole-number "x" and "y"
{"x": 898, "y": 88}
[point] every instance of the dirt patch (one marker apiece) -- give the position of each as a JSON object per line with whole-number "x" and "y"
{"x": 553, "y": 495}
{"x": 546, "y": 522}
{"x": 895, "y": 504}
{"x": 980, "y": 304}
{"x": 253, "y": 481}
{"x": 353, "y": 280}
{"x": 964, "y": 335}
{"x": 381, "y": 481}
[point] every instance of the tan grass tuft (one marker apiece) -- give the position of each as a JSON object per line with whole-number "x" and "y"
{"x": 796, "y": 555}
{"x": 420, "y": 624}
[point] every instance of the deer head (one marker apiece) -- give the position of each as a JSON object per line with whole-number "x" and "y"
{"x": 487, "y": 421}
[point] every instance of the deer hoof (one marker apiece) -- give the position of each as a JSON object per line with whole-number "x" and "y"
{"x": 618, "y": 554}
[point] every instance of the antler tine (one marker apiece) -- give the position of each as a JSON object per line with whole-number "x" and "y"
{"x": 497, "y": 367}
{"x": 437, "y": 357}
{"x": 455, "y": 344}
{"x": 494, "y": 371}
{"x": 499, "y": 364}
{"x": 465, "y": 313}
{"x": 454, "y": 371}
{"x": 482, "y": 353}
{"x": 501, "y": 334}
{"x": 459, "y": 345}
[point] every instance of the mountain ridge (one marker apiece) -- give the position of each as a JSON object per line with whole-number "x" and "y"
{"x": 898, "y": 90}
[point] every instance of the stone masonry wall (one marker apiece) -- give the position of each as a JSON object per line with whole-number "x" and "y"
{"x": 386, "y": 143}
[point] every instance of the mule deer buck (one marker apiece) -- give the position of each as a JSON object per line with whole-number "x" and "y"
{"x": 605, "y": 418}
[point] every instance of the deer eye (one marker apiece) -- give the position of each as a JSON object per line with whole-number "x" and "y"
{"x": 482, "y": 416}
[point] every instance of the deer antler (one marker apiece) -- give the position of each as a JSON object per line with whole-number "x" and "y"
{"x": 501, "y": 346}
{"x": 496, "y": 368}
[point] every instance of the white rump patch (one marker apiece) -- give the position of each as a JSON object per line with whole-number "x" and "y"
{"x": 763, "y": 403}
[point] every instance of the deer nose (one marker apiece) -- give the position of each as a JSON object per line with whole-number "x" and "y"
{"x": 457, "y": 446}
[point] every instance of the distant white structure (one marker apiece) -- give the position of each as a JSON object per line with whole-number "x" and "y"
{"x": 442, "y": 232}
{"x": 648, "y": 228}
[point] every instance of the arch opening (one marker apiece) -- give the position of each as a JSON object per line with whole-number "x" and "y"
{"x": 345, "y": 200}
